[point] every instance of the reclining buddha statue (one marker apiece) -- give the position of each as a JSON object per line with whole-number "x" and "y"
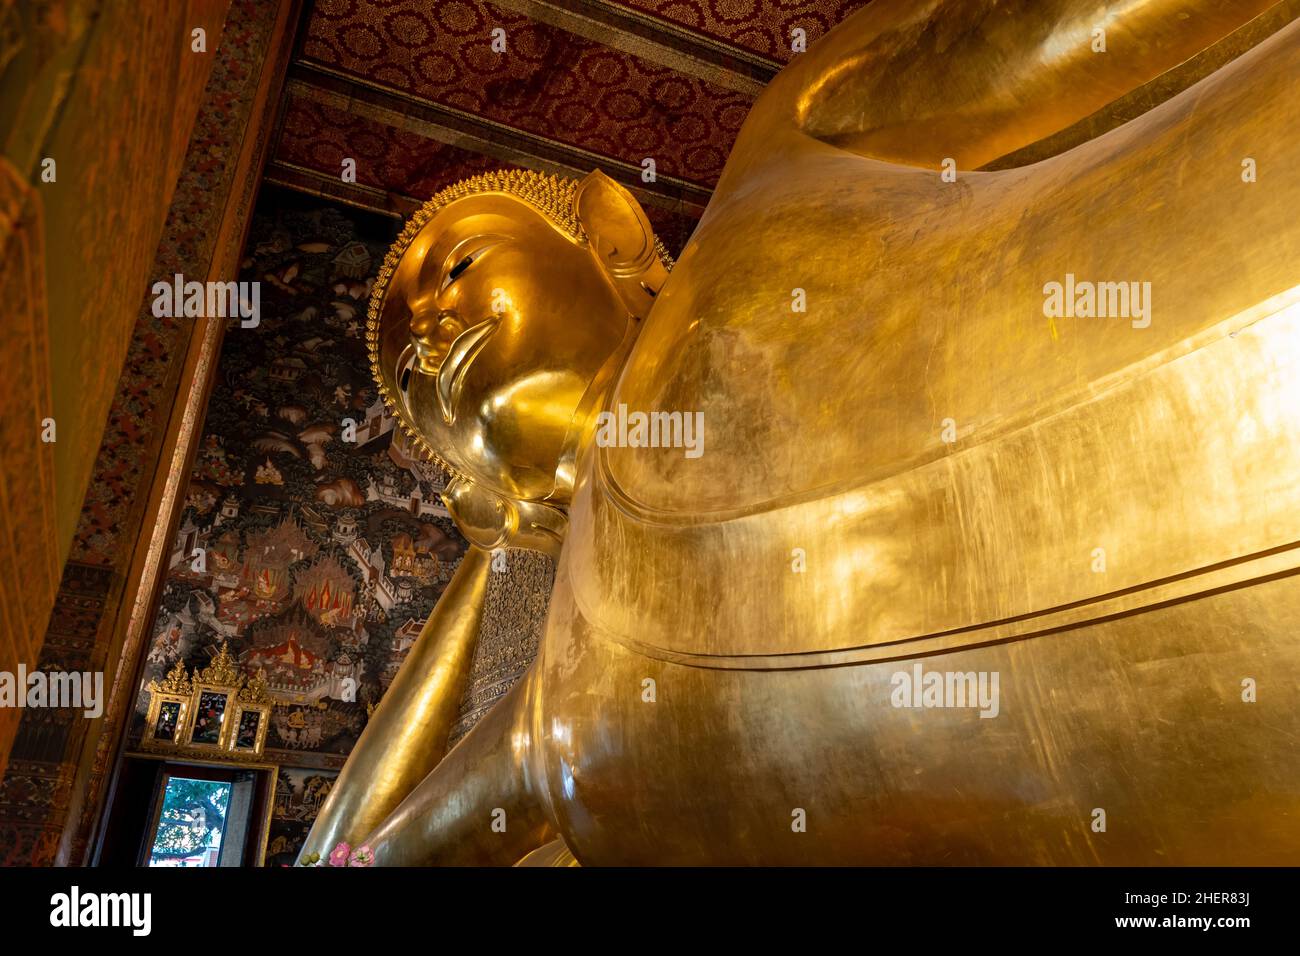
{"x": 987, "y": 551}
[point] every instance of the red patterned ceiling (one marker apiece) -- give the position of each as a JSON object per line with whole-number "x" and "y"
{"x": 320, "y": 137}
{"x": 761, "y": 26}
{"x": 555, "y": 96}
{"x": 548, "y": 82}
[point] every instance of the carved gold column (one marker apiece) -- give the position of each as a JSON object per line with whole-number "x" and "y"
{"x": 407, "y": 734}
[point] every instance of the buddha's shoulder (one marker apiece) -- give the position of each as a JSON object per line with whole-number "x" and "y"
{"x": 918, "y": 407}
{"x": 768, "y": 535}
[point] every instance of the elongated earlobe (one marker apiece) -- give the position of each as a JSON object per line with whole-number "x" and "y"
{"x": 621, "y": 239}
{"x": 491, "y": 521}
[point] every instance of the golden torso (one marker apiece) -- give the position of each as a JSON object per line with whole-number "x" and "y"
{"x": 927, "y": 455}
{"x": 924, "y": 466}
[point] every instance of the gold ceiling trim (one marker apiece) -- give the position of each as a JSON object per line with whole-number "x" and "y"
{"x": 313, "y": 182}
{"x": 507, "y": 144}
{"x": 654, "y": 40}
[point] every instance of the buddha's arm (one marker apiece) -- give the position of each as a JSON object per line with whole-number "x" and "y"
{"x": 407, "y": 734}
{"x": 482, "y": 805}
{"x": 916, "y": 81}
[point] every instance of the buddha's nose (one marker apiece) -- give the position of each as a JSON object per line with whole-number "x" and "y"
{"x": 432, "y": 333}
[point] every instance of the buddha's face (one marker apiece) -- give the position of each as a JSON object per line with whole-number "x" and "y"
{"x": 510, "y": 321}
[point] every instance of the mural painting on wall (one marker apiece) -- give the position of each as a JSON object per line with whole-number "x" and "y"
{"x": 299, "y": 795}
{"x": 317, "y": 553}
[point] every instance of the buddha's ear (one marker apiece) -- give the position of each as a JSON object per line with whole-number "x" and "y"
{"x": 621, "y": 239}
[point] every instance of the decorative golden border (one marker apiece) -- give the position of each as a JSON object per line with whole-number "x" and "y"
{"x": 156, "y": 700}
{"x": 223, "y": 733}
{"x": 264, "y": 722}
{"x": 221, "y": 677}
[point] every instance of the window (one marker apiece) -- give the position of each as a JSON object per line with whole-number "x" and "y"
{"x": 191, "y": 823}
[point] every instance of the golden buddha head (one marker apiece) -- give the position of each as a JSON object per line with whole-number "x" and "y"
{"x": 497, "y": 316}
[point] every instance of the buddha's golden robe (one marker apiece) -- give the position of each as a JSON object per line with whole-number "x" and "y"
{"x": 928, "y": 467}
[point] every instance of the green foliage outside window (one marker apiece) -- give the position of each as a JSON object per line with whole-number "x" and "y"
{"x": 192, "y": 810}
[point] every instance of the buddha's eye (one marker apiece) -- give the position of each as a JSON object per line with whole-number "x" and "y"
{"x": 405, "y": 365}
{"x": 456, "y": 271}
{"x": 458, "y": 268}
